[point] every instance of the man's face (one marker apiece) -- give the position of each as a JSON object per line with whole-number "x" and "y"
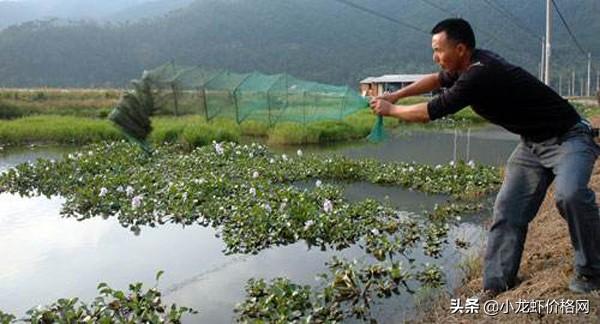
{"x": 447, "y": 54}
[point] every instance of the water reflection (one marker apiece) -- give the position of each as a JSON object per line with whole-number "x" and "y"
{"x": 491, "y": 145}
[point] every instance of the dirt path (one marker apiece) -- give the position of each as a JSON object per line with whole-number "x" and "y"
{"x": 546, "y": 268}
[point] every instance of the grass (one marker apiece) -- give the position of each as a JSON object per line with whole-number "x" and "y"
{"x": 586, "y": 110}
{"x": 57, "y": 129}
{"x": 190, "y": 130}
{"x": 353, "y": 127}
{"x": 15, "y": 103}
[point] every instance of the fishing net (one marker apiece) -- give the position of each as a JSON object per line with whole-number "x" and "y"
{"x": 178, "y": 90}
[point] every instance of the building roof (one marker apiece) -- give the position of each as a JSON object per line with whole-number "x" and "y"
{"x": 391, "y": 78}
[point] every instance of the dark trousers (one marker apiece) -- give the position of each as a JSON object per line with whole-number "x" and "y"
{"x": 567, "y": 160}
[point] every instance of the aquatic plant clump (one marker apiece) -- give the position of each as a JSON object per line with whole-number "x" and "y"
{"x": 6, "y": 318}
{"x": 253, "y": 199}
{"x": 244, "y": 191}
{"x": 111, "y": 306}
{"x": 348, "y": 290}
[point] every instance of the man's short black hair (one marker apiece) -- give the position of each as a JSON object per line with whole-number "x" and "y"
{"x": 457, "y": 29}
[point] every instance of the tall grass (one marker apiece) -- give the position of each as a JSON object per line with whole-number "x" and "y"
{"x": 188, "y": 130}
{"x": 191, "y": 131}
{"x": 355, "y": 126}
{"x": 57, "y": 129}
{"x": 15, "y": 103}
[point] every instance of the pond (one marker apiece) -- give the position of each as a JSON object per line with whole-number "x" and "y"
{"x": 46, "y": 257}
{"x": 490, "y": 145}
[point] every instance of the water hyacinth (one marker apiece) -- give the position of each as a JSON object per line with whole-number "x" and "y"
{"x": 299, "y": 153}
{"x": 327, "y": 206}
{"x": 282, "y": 206}
{"x": 282, "y": 214}
{"x": 110, "y": 306}
{"x": 218, "y": 148}
{"x": 103, "y": 192}
{"x": 220, "y": 181}
{"x": 136, "y": 202}
{"x": 267, "y": 208}
{"x": 308, "y": 224}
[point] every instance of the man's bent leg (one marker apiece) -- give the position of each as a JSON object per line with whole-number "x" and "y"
{"x": 522, "y": 192}
{"x": 576, "y": 202}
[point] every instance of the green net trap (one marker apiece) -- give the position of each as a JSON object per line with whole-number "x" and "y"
{"x": 178, "y": 90}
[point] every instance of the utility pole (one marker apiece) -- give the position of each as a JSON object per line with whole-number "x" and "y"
{"x": 581, "y": 88}
{"x": 573, "y": 84}
{"x": 560, "y": 84}
{"x": 542, "y": 65}
{"x": 548, "y": 36}
{"x": 587, "y": 93}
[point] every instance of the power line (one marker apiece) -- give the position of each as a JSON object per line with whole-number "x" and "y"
{"x": 380, "y": 15}
{"x": 416, "y": 28}
{"x": 440, "y": 8}
{"x": 512, "y": 17}
{"x": 487, "y": 34}
{"x": 568, "y": 29}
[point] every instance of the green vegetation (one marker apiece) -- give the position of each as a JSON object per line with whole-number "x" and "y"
{"x": 111, "y": 306}
{"x": 16, "y": 103}
{"x": 6, "y": 318}
{"x": 249, "y": 195}
{"x": 586, "y": 110}
{"x": 189, "y": 130}
{"x": 57, "y": 129}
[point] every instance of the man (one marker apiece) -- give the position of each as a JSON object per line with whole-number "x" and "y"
{"x": 556, "y": 145}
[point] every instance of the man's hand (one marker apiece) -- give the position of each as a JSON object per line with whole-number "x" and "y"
{"x": 381, "y": 107}
{"x": 389, "y": 97}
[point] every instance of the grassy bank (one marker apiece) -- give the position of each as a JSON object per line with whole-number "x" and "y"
{"x": 191, "y": 131}
{"x": 93, "y": 103}
{"x": 78, "y": 116}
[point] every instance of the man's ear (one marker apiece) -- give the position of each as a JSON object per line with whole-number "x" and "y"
{"x": 461, "y": 48}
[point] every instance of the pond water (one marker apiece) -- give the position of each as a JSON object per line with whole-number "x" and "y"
{"x": 45, "y": 256}
{"x": 490, "y": 145}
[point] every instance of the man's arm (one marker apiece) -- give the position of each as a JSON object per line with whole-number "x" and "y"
{"x": 427, "y": 84}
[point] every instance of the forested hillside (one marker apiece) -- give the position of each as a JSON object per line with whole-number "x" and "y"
{"x": 321, "y": 40}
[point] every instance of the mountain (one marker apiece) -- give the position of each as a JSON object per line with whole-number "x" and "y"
{"x": 15, "y": 12}
{"x": 312, "y": 39}
{"x": 147, "y": 9}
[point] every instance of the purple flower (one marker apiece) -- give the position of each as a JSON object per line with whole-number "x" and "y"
{"x": 327, "y": 206}
{"x": 136, "y": 202}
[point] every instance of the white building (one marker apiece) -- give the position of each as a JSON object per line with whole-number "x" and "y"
{"x": 376, "y": 86}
